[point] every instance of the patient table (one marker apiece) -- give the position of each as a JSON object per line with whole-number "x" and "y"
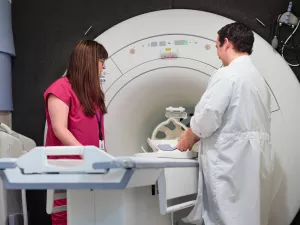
{"x": 107, "y": 190}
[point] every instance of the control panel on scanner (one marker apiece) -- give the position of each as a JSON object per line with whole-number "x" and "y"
{"x": 196, "y": 49}
{"x": 167, "y": 46}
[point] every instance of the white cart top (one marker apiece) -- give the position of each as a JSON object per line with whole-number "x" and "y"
{"x": 96, "y": 170}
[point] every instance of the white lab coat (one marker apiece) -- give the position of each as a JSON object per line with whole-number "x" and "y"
{"x": 236, "y": 159}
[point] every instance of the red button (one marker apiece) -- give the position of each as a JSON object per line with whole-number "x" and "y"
{"x": 207, "y": 46}
{"x": 132, "y": 51}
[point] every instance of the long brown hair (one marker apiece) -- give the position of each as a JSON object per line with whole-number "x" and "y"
{"x": 83, "y": 75}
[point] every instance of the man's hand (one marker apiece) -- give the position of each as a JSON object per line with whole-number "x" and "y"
{"x": 187, "y": 140}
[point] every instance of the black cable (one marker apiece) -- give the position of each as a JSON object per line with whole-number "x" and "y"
{"x": 291, "y": 48}
{"x": 274, "y": 25}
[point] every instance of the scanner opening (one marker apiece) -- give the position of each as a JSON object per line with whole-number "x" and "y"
{"x": 140, "y": 105}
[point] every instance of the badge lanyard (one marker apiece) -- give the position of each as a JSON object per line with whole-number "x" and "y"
{"x": 101, "y": 141}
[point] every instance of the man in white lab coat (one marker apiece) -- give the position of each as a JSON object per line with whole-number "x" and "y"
{"x": 232, "y": 120}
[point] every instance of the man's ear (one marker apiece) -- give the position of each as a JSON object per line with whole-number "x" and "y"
{"x": 226, "y": 43}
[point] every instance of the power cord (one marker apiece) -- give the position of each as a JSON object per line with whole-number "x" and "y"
{"x": 286, "y": 20}
{"x": 282, "y": 49}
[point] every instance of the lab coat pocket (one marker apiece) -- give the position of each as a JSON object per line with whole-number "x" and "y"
{"x": 209, "y": 163}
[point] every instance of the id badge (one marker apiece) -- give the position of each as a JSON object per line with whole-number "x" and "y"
{"x": 101, "y": 145}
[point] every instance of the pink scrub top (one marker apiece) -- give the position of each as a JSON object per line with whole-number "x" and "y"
{"x": 85, "y": 129}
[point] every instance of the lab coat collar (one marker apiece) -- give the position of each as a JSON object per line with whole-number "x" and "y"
{"x": 244, "y": 58}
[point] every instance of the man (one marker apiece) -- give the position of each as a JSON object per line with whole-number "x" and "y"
{"x": 233, "y": 120}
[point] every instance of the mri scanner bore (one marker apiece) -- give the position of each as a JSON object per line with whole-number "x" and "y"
{"x": 110, "y": 188}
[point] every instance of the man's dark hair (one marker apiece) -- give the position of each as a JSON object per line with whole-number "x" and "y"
{"x": 239, "y": 35}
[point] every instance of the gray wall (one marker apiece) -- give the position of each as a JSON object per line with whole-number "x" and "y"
{"x": 45, "y": 32}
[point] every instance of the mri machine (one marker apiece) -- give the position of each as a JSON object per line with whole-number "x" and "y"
{"x": 157, "y": 60}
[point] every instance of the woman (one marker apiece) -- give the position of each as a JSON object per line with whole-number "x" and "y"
{"x": 75, "y": 106}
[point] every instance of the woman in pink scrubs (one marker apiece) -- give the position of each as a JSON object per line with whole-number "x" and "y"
{"x": 75, "y": 106}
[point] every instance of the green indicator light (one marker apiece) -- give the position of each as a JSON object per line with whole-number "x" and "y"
{"x": 185, "y": 42}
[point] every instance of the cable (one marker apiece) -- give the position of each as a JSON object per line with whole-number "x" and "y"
{"x": 274, "y": 41}
{"x": 287, "y": 41}
{"x": 287, "y": 51}
{"x": 275, "y": 24}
